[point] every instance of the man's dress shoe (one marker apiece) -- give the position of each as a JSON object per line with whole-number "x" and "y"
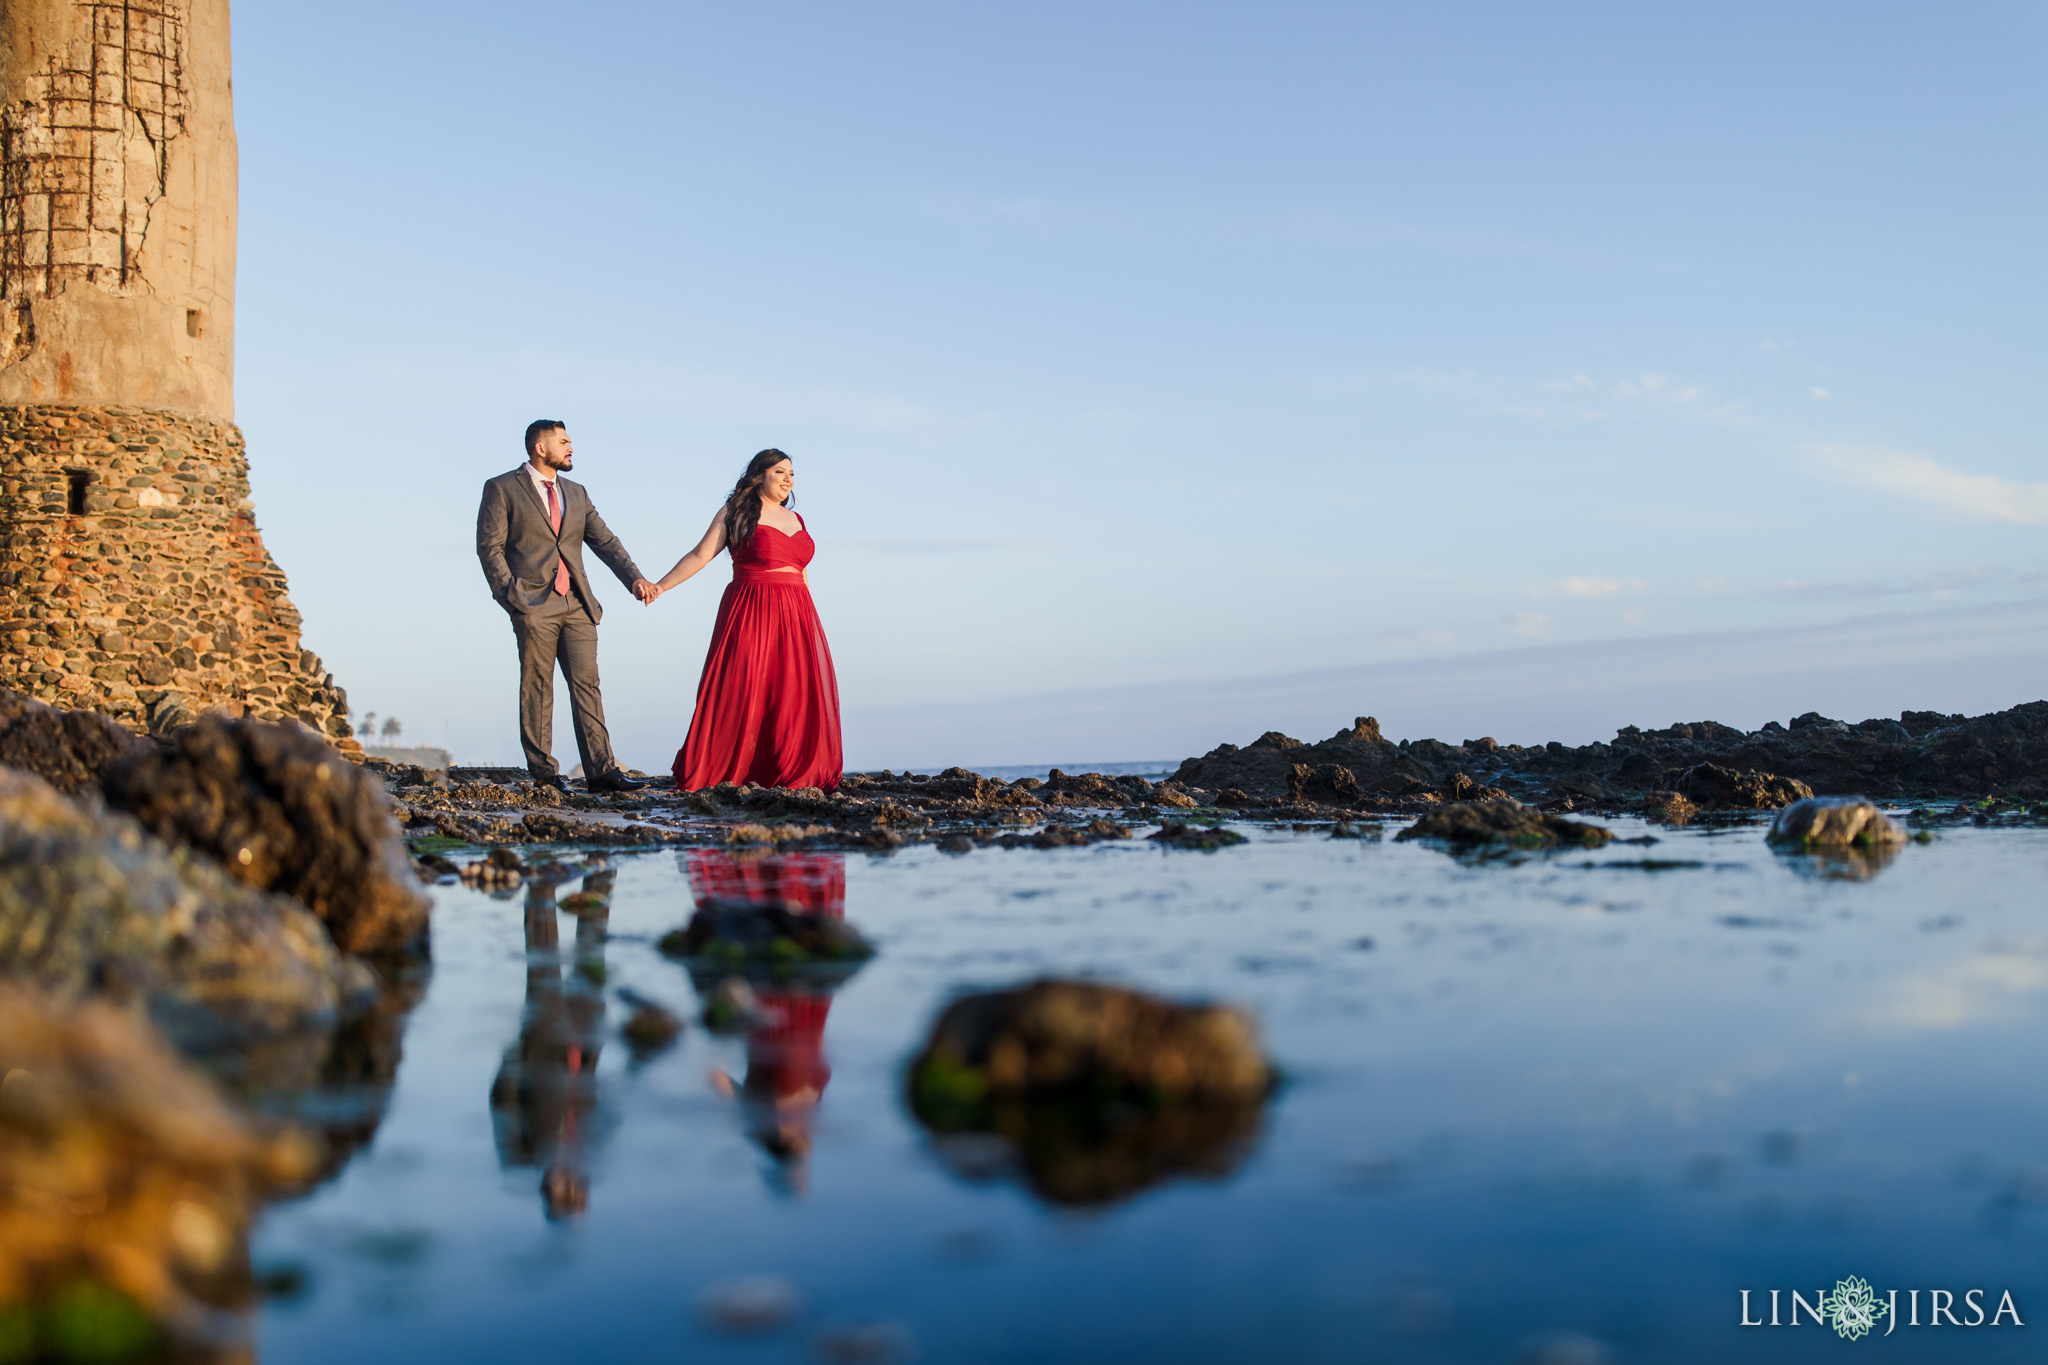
{"x": 555, "y": 780}
{"x": 616, "y": 781}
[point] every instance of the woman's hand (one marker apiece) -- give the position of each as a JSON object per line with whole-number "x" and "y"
{"x": 706, "y": 551}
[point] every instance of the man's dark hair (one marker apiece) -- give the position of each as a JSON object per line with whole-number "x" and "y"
{"x": 536, "y": 430}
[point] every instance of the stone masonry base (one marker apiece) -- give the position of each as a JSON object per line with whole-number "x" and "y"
{"x": 133, "y": 579}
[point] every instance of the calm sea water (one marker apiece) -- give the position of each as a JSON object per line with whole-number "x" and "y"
{"x": 1555, "y": 1108}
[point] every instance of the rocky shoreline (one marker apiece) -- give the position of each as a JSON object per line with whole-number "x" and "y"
{"x": 1995, "y": 765}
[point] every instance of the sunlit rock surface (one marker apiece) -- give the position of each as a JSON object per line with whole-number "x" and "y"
{"x": 90, "y": 903}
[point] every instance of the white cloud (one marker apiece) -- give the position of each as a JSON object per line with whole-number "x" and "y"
{"x": 1587, "y": 585}
{"x": 1818, "y": 392}
{"x": 1530, "y": 623}
{"x": 1598, "y": 587}
{"x": 1982, "y": 497}
{"x": 1986, "y": 985}
{"x": 1427, "y": 638}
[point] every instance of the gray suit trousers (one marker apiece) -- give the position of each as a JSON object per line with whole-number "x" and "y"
{"x": 560, "y": 632}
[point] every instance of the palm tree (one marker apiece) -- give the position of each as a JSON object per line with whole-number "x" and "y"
{"x": 368, "y": 729}
{"x": 392, "y": 729}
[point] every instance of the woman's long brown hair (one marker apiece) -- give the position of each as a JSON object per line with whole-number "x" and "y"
{"x": 743, "y": 512}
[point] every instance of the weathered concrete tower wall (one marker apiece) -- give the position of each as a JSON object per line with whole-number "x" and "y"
{"x": 132, "y": 577}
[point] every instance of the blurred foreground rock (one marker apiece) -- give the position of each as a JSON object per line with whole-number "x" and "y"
{"x": 1090, "y": 1092}
{"x": 92, "y": 903}
{"x": 67, "y": 749}
{"x": 126, "y": 1190}
{"x": 1835, "y": 822}
{"x": 282, "y": 811}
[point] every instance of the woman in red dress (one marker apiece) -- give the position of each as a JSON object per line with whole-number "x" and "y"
{"x": 768, "y": 703}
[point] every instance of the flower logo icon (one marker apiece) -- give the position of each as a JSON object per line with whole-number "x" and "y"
{"x": 1853, "y": 1309}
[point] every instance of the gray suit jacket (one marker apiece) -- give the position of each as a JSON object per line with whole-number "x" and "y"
{"x": 519, "y": 550}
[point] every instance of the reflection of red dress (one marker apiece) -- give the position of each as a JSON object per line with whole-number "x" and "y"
{"x": 786, "y": 1049}
{"x": 768, "y": 703}
{"x": 802, "y": 883}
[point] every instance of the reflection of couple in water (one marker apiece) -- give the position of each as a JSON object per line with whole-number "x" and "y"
{"x": 786, "y": 1070}
{"x": 544, "y": 1101}
{"x": 545, "y": 1104}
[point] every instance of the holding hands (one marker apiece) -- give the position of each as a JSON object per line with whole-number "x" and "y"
{"x": 646, "y": 591}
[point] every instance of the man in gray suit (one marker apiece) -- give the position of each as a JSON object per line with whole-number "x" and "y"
{"x": 530, "y": 534}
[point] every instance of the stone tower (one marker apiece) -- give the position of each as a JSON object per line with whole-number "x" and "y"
{"x": 133, "y": 578}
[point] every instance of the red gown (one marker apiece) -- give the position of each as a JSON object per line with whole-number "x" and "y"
{"x": 768, "y": 703}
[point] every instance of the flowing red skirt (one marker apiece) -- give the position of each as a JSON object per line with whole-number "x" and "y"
{"x": 768, "y": 703}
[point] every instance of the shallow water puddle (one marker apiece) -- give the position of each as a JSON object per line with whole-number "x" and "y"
{"x": 1553, "y": 1107}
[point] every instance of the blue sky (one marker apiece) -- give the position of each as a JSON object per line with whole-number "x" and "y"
{"x": 1157, "y": 375}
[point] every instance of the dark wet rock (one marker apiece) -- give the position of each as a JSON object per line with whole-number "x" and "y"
{"x": 1174, "y": 795}
{"x": 650, "y": 1029}
{"x": 1714, "y": 787}
{"x": 1669, "y": 808}
{"x": 67, "y": 749}
{"x": 1502, "y": 821}
{"x": 1922, "y": 753}
{"x": 501, "y": 867}
{"x": 1839, "y": 862}
{"x": 1091, "y": 1092}
{"x": 432, "y": 867}
{"x": 1066, "y": 836}
{"x": 282, "y": 811}
{"x": 1055, "y": 1036}
{"x": 767, "y": 934}
{"x": 1265, "y": 768}
{"x": 953, "y": 787}
{"x": 546, "y": 827}
{"x": 1181, "y": 834}
{"x": 1328, "y": 782}
{"x": 1835, "y": 821}
{"x": 126, "y": 1186}
{"x": 1584, "y": 788}
{"x": 956, "y": 843}
{"x": 1074, "y": 1152}
{"x": 92, "y": 903}
{"x": 1094, "y": 790}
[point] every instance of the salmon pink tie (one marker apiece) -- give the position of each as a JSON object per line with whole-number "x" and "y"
{"x": 555, "y": 521}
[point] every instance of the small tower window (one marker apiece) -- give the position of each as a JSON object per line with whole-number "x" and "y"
{"x": 191, "y": 322}
{"x": 80, "y": 480}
